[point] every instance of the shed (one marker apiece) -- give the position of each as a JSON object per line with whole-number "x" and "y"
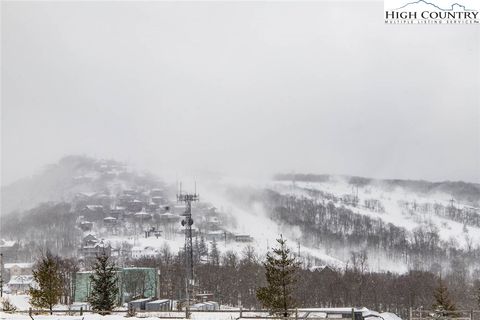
{"x": 139, "y": 304}
{"x": 159, "y": 305}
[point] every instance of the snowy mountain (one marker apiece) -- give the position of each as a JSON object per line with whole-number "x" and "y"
{"x": 70, "y": 176}
{"x": 327, "y": 220}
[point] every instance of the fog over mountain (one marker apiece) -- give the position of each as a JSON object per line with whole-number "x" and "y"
{"x": 243, "y": 89}
{"x": 400, "y": 224}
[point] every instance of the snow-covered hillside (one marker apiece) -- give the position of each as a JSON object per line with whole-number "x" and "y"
{"x": 399, "y": 224}
{"x": 398, "y": 206}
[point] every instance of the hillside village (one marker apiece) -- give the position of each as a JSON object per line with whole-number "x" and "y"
{"x": 341, "y": 231}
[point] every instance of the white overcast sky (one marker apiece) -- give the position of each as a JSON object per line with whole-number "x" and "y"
{"x": 241, "y": 88}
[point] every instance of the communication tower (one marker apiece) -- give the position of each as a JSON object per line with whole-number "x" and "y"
{"x": 187, "y": 222}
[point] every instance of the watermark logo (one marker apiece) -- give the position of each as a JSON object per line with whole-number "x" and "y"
{"x": 432, "y": 12}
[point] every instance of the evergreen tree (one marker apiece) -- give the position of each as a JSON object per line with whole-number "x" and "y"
{"x": 203, "y": 247}
{"x": 196, "y": 251}
{"x": 478, "y": 296}
{"x": 214, "y": 254}
{"x": 280, "y": 269}
{"x": 48, "y": 290}
{"x": 104, "y": 285}
{"x": 443, "y": 304}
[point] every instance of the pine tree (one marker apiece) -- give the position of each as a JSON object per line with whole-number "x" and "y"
{"x": 104, "y": 285}
{"x": 478, "y": 296}
{"x": 280, "y": 269}
{"x": 48, "y": 290}
{"x": 443, "y": 304}
{"x": 203, "y": 247}
{"x": 214, "y": 254}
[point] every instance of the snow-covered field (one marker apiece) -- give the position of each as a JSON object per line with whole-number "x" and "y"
{"x": 93, "y": 316}
{"x": 369, "y": 315}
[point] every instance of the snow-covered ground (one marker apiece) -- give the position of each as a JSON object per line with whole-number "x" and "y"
{"x": 224, "y": 315}
{"x": 370, "y": 315}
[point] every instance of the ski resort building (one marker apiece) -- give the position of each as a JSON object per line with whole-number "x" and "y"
{"x": 133, "y": 283}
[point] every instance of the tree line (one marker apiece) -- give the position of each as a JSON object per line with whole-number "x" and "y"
{"x": 277, "y": 282}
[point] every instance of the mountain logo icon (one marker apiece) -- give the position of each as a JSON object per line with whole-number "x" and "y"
{"x": 453, "y": 7}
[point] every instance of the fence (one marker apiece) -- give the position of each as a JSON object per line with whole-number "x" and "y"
{"x": 230, "y": 314}
{"x": 259, "y": 314}
{"x": 420, "y": 314}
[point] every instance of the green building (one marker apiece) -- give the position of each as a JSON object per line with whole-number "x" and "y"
{"x": 133, "y": 283}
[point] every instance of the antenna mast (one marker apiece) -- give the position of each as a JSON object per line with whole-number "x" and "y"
{"x": 187, "y": 222}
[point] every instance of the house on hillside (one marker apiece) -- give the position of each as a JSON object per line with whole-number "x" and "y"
{"x": 168, "y": 217}
{"x": 109, "y": 221}
{"x": 18, "y": 269}
{"x": 20, "y": 284}
{"x": 92, "y": 247}
{"x": 142, "y": 216}
{"x": 217, "y": 235}
{"x": 325, "y": 272}
{"x": 89, "y": 240}
{"x": 144, "y": 252}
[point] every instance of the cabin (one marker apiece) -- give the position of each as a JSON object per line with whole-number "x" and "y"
{"x": 110, "y": 221}
{"x": 216, "y": 235}
{"x": 142, "y": 216}
{"x": 144, "y": 252}
{"x": 89, "y": 240}
{"x": 20, "y": 284}
{"x": 92, "y": 247}
{"x": 95, "y": 250}
{"x": 18, "y": 269}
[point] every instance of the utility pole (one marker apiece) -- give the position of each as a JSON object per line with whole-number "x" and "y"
{"x": 1, "y": 275}
{"x": 187, "y": 222}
